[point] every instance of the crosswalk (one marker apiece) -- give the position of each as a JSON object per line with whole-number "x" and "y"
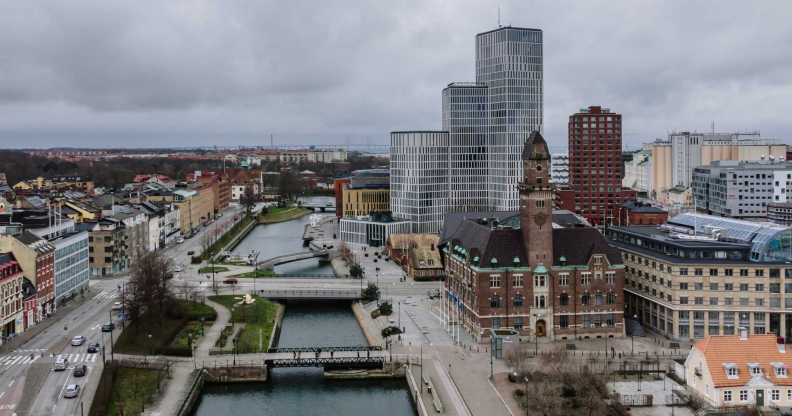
{"x": 13, "y": 359}
{"x": 105, "y": 294}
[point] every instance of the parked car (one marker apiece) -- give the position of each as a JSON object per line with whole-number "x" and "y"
{"x": 190, "y": 253}
{"x": 230, "y": 281}
{"x": 93, "y": 348}
{"x": 117, "y": 306}
{"x": 77, "y": 341}
{"x": 80, "y": 370}
{"x": 179, "y": 240}
{"x": 71, "y": 391}
{"x": 108, "y": 327}
{"x": 61, "y": 363}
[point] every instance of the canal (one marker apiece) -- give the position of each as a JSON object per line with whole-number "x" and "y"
{"x": 293, "y": 392}
{"x": 273, "y": 240}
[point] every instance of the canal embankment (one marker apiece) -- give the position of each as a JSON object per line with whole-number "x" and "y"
{"x": 370, "y": 329}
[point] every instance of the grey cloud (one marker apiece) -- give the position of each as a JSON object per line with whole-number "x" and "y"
{"x": 90, "y": 72}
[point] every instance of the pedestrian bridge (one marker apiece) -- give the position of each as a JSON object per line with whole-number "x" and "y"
{"x": 329, "y": 358}
{"x": 290, "y": 258}
{"x": 319, "y": 207}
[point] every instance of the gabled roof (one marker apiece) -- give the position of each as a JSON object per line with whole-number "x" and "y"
{"x": 579, "y": 244}
{"x": 763, "y": 350}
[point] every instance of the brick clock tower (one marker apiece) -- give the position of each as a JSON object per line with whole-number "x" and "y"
{"x": 536, "y": 218}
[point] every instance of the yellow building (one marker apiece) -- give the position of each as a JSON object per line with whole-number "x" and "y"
{"x": 81, "y": 211}
{"x": 196, "y": 207}
{"x": 359, "y": 202}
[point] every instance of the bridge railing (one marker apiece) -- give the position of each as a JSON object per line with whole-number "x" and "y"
{"x": 353, "y": 348}
{"x": 311, "y": 294}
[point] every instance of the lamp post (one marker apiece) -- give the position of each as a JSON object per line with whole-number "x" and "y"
{"x": 632, "y": 335}
{"x": 255, "y": 268}
{"x": 151, "y": 348}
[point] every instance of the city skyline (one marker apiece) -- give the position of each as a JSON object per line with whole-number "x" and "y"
{"x": 106, "y": 76}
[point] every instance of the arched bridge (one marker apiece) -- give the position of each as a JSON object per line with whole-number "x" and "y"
{"x": 290, "y": 258}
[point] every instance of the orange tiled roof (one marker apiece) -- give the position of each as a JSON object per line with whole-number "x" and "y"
{"x": 759, "y": 349}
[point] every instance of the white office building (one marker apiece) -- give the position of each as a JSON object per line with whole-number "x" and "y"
{"x": 419, "y": 178}
{"x": 72, "y": 269}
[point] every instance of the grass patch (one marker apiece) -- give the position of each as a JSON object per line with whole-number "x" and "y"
{"x": 280, "y": 214}
{"x": 132, "y": 389}
{"x": 224, "y": 334}
{"x": 182, "y": 339}
{"x": 213, "y": 269}
{"x": 259, "y": 273}
{"x": 163, "y": 330}
{"x": 259, "y": 319}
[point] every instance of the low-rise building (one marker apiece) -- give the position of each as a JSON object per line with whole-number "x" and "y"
{"x": 417, "y": 254}
{"x": 11, "y": 297}
{"x": 36, "y": 258}
{"x": 701, "y": 275}
{"x": 368, "y": 192}
{"x": 373, "y": 230}
{"x": 742, "y": 370}
{"x": 780, "y": 213}
{"x": 641, "y": 213}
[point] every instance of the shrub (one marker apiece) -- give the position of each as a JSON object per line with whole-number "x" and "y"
{"x": 370, "y": 293}
{"x": 391, "y": 330}
{"x": 386, "y": 309}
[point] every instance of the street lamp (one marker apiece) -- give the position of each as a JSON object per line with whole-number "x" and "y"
{"x": 151, "y": 348}
{"x": 632, "y": 335}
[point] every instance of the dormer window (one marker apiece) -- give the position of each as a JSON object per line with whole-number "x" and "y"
{"x": 755, "y": 369}
{"x": 731, "y": 370}
{"x": 780, "y": 369}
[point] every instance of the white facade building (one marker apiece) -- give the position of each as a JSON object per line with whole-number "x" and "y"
{"x": 637, "y": 171}
{"x": 559, "y": 168}
{"x": 72, "y": 268}
{"x": 419, "y": 178}
{"x": 371, "y": 232}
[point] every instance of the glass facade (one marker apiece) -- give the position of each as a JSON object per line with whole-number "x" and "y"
{"x": 419, "y": 178}
{"x": 72, "y": 270}
{"x": 509, "y": 62}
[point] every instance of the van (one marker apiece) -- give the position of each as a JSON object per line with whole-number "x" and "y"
{"x": 61, "y": 363}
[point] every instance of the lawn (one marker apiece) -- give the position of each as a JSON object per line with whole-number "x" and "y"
{"x": 213, "y": 269}
{"x": 132, "y": 389}
{"x": 279, "y": 214}
{"x": 259, "y": 318}
{"x": 226, "y": 238}
{"x": 259, "y": 273}
{"x": 182, "y": 339}
{"x": 163, "y": 330}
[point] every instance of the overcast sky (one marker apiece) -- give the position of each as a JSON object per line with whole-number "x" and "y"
{"x": 183, "y": 73}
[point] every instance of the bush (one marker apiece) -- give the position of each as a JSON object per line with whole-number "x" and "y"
{"x": 386, "y": 309}
{"x": 195, "y": 260}
{"x": 375, "y": 314}
{"x": 391, "y": 330}
{"x": 370, "y": 293}
{"x": 194, "y": 311}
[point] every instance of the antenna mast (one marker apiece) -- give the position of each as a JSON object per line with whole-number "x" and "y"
{"x": 499, "y": 24}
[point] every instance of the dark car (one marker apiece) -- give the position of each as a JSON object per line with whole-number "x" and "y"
{"x": 108, "y": 327}
{"x": 190, "y": 253}
{"x": 80, "y": 370}
{"x": 93, "y": 348}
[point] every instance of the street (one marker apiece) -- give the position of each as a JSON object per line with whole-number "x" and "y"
{"x": 28, "y": 384}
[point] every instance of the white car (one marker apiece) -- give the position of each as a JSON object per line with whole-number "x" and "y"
{"x": 77, "y": 341}
{"x": 61, "y": 363}
{"x": 71, "y": 391}
{"x": 179, "y": 240}
{"x": 117, "y": 306}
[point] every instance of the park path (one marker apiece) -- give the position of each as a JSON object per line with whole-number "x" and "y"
{"x": 182, "y": 375}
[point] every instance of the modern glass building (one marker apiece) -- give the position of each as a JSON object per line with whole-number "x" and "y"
{"x": 465, "y": 114}
{"x": 509, "y": 62}
{"x": 419, "y": 178}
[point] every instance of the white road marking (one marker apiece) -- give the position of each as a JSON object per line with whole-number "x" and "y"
{"x": 2, "y": 394}
{"x": 12, "y": 383}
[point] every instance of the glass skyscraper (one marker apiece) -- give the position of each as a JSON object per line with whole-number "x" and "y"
{"x": 509, "y": 62}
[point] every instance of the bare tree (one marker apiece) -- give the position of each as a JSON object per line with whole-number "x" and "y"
{"x": 148, "y": 291}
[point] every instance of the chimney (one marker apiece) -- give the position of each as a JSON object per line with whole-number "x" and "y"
{"x": 743, "y": 333}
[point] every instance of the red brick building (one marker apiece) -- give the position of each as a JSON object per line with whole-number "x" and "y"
{"x": 639, "y": 213}
{"x": 523, "y": 273}
{"x": 595, "y": 166}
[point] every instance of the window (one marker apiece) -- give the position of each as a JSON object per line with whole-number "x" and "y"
{"x": 683, "y": 271}
{"x": 683, "y": 300}
{"x": 495, "y": 301}
{"x": 518, "y": 300}
{"x": 713, "y": 272}
{"x": 713, "y": 286}
{"x": 728, "y": 286}
{"x": 683, "y": 286}
{"x": 584, "y": 299}
{"x": 611, "y": 298}
{"x": 564, "y": 321}
{"x": 727, "y": 397}
{"x": 539, "y": 301}
{"x": 743, "y": 272}
{"x": 518, "y": 280}
{"x": 698, "y": 286}
{"x": 698, "y": 272}
{"x": 563, "y": 279}
{"x": 494, "y": 280}
{"x": 759, "y": 287}
{"x": 585, "y": 279}
{"x": 743, "y": 395}
{"x": 774, "y": 395}
{"x": 540, "y": 280}
{"x": 699, "y": 300}
{"x": 781, "y": 371}
{"x": 755, "y": 370}
{"x": 563, "y": 300}
{"x": 731, "y": 371}
{"x": 759, "y": 272}
{"x": 743, "y": 287}
{"x": 610, "y": 277}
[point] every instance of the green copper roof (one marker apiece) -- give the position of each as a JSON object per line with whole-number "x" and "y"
{"x": 540, "y": 269}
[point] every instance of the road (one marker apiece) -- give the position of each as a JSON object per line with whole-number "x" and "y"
{"x": 29, "y": 386}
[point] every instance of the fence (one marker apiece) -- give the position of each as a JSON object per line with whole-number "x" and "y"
{"x": 635, "y": 400}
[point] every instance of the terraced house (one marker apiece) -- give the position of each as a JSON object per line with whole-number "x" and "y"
{"x": 700, "y": 275}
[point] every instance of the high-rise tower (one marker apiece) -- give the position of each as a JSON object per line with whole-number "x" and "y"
{"x": 509, "y": 62}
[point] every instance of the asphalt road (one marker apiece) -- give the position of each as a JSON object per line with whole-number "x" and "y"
{"x": 28, "y": 384}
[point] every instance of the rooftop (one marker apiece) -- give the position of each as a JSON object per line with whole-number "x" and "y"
{"x": 724, "y": 351}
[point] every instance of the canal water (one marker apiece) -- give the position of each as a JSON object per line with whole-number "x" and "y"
{"x": 274, "y": 240}
{"x": 299, "y": 392}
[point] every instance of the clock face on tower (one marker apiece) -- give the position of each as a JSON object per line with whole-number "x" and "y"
{"x": 540, "y": 219}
